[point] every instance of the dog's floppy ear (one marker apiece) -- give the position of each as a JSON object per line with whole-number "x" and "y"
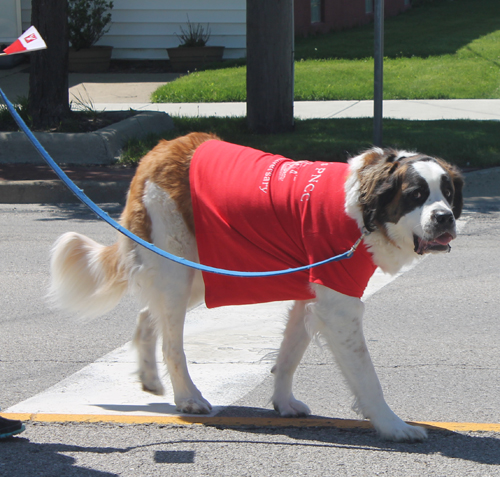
{"x": 458, "y": 185}
{"x": 379, "y": 184}
{"x": 458, "y": 198}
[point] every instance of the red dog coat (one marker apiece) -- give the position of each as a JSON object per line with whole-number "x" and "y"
{"x": 255, "y": 211}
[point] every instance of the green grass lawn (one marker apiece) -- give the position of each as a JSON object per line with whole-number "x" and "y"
{"x": 467, "y": 144}
{"x": 438, "y": 50}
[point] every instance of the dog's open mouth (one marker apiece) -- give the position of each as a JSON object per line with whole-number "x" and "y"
{"x": 438, "y": 244}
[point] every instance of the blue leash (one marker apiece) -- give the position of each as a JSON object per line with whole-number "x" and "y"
{"x": 104, "y": 216}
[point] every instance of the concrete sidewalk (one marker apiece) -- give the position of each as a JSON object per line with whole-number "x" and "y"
{"x": 122, "y": 91}
{"x": 429, "y": 109}
{"x": 96, "y": 88}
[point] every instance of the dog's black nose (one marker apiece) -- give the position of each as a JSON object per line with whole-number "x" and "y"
{"x": 443, "y": 217}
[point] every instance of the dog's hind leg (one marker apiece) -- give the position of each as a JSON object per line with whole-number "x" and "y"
{"x": 145, "y": 339}
{"x": 166, "y": 291}
{"x": 166, "y": 288}
{"x": 295, "y": 342}
{"x": 188, "y": 398}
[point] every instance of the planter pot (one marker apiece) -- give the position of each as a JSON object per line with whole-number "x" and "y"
{"x": 90, "y": 60}
{"x": 192, "y": 57}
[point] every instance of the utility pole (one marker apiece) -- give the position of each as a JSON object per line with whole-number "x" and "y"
{"x": 270, "y": 65}
{"x": 48, "y": 101}
{"x": 378, "y": 83}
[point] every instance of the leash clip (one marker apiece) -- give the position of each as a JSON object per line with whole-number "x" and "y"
{"x": 356, "y": 244}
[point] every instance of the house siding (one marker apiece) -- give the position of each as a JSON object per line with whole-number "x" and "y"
{"x": 340, "y": 14}
{"x": 143, "y": 30}
{"x": 25, "y": 14}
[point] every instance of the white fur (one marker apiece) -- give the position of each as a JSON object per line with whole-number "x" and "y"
{"x": 78, "y": 280}
{"x": 167, "y": 289}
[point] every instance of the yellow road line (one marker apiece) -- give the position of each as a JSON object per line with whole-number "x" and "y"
{"x": 241, "y": 421}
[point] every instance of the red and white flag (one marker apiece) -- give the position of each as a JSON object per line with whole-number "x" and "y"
{"x": 30, "y": 40}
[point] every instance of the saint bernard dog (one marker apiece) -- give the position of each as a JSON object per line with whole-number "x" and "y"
{"x": 237, "y": 208}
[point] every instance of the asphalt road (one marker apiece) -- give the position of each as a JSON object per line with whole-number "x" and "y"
{"x": 433, "y": 334}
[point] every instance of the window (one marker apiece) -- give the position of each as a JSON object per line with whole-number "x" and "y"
{"x": 316, "y": 11}
{"x": 368, "y": 6}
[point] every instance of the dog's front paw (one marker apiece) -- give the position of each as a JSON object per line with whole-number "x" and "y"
{"x": 290, "y": 407}
{"x": 193, "y": 405}
{"x": 397, "y": 430}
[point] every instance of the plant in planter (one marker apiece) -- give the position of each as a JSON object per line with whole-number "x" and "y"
{"x": 193, "y": 51}
{"x": 88, "y": 21}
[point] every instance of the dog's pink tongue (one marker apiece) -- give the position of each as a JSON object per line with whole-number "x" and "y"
{"x": 444, "y": 239}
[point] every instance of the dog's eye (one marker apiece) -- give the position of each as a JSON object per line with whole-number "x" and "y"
{"x": 447, "y": 193}
{"x": 417, "y": 194}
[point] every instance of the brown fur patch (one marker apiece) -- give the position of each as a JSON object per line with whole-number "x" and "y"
{"x": 167, "y": 165}
{"x": 393, "y": 209}
{"x": 378, "y": 185}
{"x": 458, "y": 184}
{"x": 134, "y": 216}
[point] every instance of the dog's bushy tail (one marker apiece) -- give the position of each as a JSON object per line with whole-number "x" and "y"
{"x": 87, "y": 278}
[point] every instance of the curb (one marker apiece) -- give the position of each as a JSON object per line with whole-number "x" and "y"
{"x": 96, "y": 148}
{"x": 55, "y": 192}
{"x": 102, "y": 147}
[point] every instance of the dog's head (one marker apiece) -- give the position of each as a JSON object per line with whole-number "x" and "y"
{"x": 409, "y": 195}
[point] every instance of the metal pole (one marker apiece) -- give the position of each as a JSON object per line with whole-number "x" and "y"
{"x": 293, "y": 61}
{"x": 378, "y": 83}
